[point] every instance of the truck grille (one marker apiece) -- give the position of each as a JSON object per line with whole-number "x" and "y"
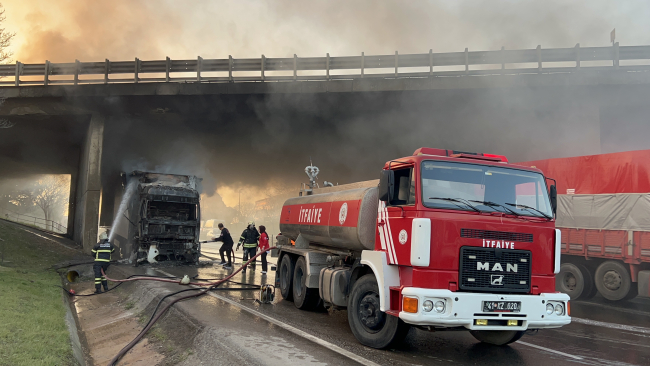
{"x": 496, "y": 235}
{"x": 495, "y": 270}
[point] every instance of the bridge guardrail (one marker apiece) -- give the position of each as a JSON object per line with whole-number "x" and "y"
{"x": 40, "y": 223}
{"x": 164, "y": 70}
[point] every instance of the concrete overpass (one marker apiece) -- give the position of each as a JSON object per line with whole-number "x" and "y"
{"x": 459, "y": 99}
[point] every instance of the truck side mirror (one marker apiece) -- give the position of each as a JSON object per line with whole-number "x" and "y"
{"x": 553, "y": 197}
{"x": 386, "y": 185}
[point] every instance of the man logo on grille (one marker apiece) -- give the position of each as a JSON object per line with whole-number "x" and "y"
{"x": 496, "y": 280}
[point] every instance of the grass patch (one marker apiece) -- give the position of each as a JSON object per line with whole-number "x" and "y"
{"x": 33, "y": 329}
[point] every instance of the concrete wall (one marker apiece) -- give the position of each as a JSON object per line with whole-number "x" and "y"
{"x": 88, "y": 189}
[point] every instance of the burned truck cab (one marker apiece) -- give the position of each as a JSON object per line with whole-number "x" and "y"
{"x": 168, "y": 218}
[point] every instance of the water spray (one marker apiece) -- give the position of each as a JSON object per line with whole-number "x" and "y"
{"x": 119, "y": 216}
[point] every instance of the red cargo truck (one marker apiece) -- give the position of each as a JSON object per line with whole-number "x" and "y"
{"x": 604, "y": 215}
{"x": 443, "y": 241}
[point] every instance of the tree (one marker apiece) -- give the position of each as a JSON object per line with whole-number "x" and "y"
{"x": 5, "y": 39}
{"x": 5, "y": 57}
{"x": 50, "y": 194}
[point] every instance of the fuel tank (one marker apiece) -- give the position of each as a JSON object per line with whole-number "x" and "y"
{"x": 344, "y": 219}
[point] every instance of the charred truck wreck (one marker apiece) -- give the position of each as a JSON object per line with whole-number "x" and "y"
{"x": 163, "y": 218}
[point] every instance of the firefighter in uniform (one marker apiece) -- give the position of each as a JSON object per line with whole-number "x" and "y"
{"x": 249, "y": 239}
{"x": 102, "y": 252}
{"x": 226, "y": 247}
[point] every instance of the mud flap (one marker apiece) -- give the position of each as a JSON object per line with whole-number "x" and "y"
{"x": 644, "y": 283}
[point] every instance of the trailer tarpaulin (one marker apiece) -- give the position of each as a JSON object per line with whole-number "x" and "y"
{"x": 604, "y": 211}
{"x": 624, "y": 172}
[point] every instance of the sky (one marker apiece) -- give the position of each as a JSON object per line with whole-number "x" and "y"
{"x": 65, "y": 30}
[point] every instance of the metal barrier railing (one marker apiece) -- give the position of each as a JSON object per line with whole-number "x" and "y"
{"x": 194, "y": 70}
{"x": 37, "y": 222}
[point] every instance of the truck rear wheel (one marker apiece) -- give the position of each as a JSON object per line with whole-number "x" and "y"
{"x": 497, "y": 337}
{"x": 286, "y": 277}
{"x": 614, "y": 282}
{"x": 304, "y": 298}
{"x": 576, "y": 281}
{"x": 371, "y": 326}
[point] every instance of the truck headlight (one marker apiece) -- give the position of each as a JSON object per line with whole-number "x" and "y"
{"x": 440, "y": 306}
{"x": 427, "y": 306}
{"x": 549, "y": 309}
{"x": 559, "y": 309}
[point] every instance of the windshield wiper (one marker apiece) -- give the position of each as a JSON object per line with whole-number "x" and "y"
{"x": 494, "y": 204}
{"x": 456, "y": 200}
{"x": 529, "y": 208}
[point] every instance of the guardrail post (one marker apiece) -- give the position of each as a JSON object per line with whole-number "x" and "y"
{"x": 107, "y": 70}
{"x": 19, "y": 69}
{"x": 616, "y": 55}
{"x": 46, "y": 78}
{"x": 396, "y": 62}
{"x": 327, "y": 66}
{"x": 577, "y": 48}
{"x": 230, "y": 62}
{"x": 168, "y": 67}
{"x": 363, "y": 61}
{"x": 76, "y": 72}
{"x": 263, "y": 59}
{"x": 466, "y": 61}
{"x": 431, "y": 62}
{"x": 503, "y": 58}
{"x": 539, "y": 58}
{"x": 295, "y": 67}
{"x": 136, "y": 70}
{"x": 199, "y": 66}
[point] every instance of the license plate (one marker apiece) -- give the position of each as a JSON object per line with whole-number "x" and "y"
{"x": 501, "y": 306}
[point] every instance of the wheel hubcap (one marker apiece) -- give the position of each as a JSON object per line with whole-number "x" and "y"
{"x": 570, "y": 282}
{"x": 612, "y": 280}
{"x": 369, "y": 314}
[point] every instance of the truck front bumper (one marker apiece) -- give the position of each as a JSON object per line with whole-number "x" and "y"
{"x": 463, "y": 309}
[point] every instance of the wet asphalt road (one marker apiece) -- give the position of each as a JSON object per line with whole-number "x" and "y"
{"x": 602, "y": 333}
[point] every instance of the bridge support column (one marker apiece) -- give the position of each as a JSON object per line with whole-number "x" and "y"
{"x": 89, "y": 184}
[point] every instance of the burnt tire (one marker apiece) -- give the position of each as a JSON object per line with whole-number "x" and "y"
{"x": 576, "y": 281}
{"x": 304, "y": 298}
{"x": 371, "y": 326}
{"x": 497, "y": 337}
{"x": 614, "y": 282}
{"x": 286, "y": 277}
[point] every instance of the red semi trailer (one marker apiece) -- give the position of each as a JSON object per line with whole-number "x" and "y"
{"x": 443, "y": 241}
{"x": 604, "y": 215}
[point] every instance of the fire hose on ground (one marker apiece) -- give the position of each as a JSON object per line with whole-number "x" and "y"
{"x": 206, "y": 287}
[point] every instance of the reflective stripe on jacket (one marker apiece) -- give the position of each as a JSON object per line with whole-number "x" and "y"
{"x": 103, "y": 250}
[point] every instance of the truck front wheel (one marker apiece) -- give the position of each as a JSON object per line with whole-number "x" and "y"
{"x": 497, "y": 337}
{"x": 286, "y": 277}
{"x": 371, "y": 326}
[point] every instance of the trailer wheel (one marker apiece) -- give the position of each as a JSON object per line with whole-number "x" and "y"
{"x": 286, "y": 277}
{"x": 497, "y": 337}
{"x": 304, "y": 298}
{"x": 371, "y": 326}
{"x": 590, "y": 286}
{"x": 614, "y": 282}
{"x": 576, "y": 281}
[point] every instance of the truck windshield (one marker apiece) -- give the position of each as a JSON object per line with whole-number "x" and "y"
{"x": 487, "y": 188}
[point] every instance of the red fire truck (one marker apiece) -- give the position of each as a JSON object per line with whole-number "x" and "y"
{"x": 604, "y": 215}
{"x": 445, "y": 240}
